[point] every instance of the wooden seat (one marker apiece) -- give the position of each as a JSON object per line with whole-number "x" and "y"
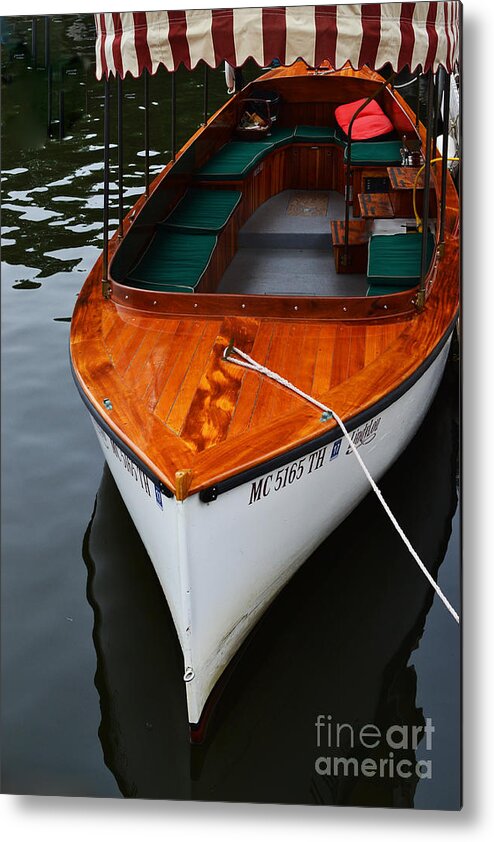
{"x": 358, "y": 238}
{"x": 203, "y": 211}
{"x": 371, "y": 152}
{"x": 235, "y": 160}
{"x": 314, "y": 134}
{"x": 402, "y": 180}
{"x": 376, "y": 206}
{"x": 358, "y": 232}
{"x": 173, "y": 262}
{"x": 395, "y": 259}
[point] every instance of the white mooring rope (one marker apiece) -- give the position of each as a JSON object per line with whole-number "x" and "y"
{"x": 248, "y": 362}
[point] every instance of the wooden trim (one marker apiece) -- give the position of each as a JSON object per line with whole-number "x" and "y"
{"x": 183, "y": 481}
{"x": 369, "y": 309}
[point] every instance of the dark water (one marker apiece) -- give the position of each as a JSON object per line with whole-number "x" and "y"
{"x": 93, "y": 700}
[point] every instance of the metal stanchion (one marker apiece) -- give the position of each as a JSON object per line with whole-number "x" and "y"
{"x": 105, "y": 285}
{"x": 174, "y": 116}
{"x": 427, "y": 183}
{"x": 206, "y": 92}
{"x": 444, "y": 172}
{"x": 146, "y": 131}
{"x": 120, "y": 153}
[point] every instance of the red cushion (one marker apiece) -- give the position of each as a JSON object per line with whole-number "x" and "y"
{"x": 371, "y": 121}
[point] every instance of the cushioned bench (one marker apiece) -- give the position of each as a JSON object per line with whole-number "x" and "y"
{"x": 235, "y": 160}
{"x": 386, "y": 152}
{"x": 238, "y": 157}
{"x": 395, "y": 260}
{"x": 314, "y": 134}
{"x": 173, "y": 262}
{"x": 376, "y": 289}
{"x": 279, "y": 135}
{"x": 203, "y": 211}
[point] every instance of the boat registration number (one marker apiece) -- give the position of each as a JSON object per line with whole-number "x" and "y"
{"x": 289, "y": 474}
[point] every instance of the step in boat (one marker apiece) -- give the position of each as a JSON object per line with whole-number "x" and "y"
{"x": 326, "y": 248}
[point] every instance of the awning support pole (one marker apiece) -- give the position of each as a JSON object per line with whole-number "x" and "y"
{"x": 417, "y": 109}
{"x": 435, "y": 118}
{"x": 146, "y": 132}
{"x": 444, "y": 172}
{"x": 49, "y": 73}
{"x": 34, "y": 42}
{"x": 47, "y": 41}
{"x": 120, "y": 153}
{"x": 206, "y": 93}
{"x": 105, "y": 285}
{"x": 174, "y": 116}
{"x": 349, "y": 165}
{"x": 427, "y": 183}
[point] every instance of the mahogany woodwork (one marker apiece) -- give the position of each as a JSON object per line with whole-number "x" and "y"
{"x": 222, "y": 254}
{"x": 359, "y": 175}
{"x": 403, "y": 178}
{"x": 376, "y": 206}
{"x": 358, "y": 239}
{"x": 332, "y": 308}
{"x": 358, "y": 232}
{"x": 311, "y": 167}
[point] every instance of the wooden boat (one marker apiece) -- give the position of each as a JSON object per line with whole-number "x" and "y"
{"x": 233, "y": 480}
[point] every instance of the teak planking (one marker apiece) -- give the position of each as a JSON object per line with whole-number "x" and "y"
{"x": 195, "y": 419}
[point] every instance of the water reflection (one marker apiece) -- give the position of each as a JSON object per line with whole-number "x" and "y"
{"x": 336, "y": 643}
{"x": 34, "y": 163}
{"x": 26, "y": 285}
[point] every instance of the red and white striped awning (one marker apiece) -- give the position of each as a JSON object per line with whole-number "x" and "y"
{"x": 414, "y": 35}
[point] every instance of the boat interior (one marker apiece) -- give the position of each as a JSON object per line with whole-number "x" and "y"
{"x": 262, "y": 213}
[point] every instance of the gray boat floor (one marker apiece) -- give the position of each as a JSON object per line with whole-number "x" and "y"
{"x": 285, "y": 248}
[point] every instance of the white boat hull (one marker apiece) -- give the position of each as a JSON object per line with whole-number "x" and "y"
{"x": 221, "y": 563}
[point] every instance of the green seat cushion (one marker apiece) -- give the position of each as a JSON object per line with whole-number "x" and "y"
{"x": 201, "y": 211}
{"x": 323, "y": 134}
{"x": 380, "y": 152}
{"x": 173, "y": 260}
{"x": 375, "y": 289}
{"x": 158, "y": 287}
{"x": 394, "y": 259}
{"x": 340, "y": 136}
{"x": 235, "y": 159}
{"x": 279, "y": 135}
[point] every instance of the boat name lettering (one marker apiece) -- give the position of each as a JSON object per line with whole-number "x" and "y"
{"x": 286, "y": 475}
{"x": 133, "y": 469}
{"x": 365, "y": 435}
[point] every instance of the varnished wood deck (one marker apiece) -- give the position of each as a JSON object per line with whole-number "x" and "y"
{"x": 174, "y": 370}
